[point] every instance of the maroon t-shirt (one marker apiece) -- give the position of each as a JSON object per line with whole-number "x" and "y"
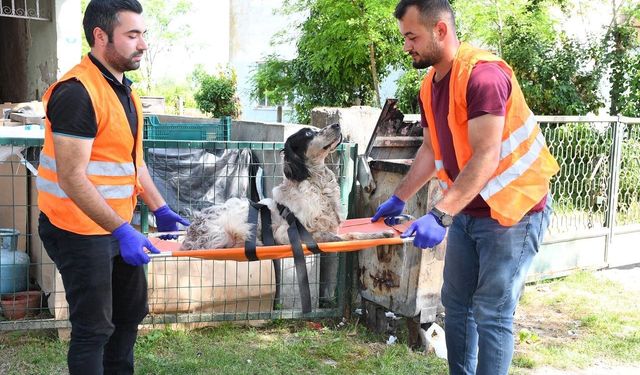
{"x": 488, "y": 90}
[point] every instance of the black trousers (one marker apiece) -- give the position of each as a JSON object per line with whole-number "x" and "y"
{"x": 107, "y": 299}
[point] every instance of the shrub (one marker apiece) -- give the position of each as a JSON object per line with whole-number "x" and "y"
{"x": 217, "y": 93}
{"x": 408, "y": 90}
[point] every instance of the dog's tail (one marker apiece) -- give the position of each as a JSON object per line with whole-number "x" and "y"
{"x": 219, "y": 226}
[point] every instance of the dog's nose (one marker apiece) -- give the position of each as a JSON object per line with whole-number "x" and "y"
{"x": 335, "y": 126}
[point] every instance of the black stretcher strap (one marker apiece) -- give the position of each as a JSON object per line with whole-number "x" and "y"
{"x": 296, "y": 231}
{"x": 267, "y": 233}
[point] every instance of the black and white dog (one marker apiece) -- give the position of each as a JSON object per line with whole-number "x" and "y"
{"x": 310, "y": 191}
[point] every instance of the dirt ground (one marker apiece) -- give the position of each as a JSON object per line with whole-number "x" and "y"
{"x": 553, "y": 325}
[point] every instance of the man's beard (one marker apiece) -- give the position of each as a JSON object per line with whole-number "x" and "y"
{"x": 119, "y": 62}
{"x": 423, "y": 64}
{"x": 429, "y": 60}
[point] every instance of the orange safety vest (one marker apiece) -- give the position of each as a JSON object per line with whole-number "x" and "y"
{"x": 111, "y": 167}
{"x": 526, "y": 165}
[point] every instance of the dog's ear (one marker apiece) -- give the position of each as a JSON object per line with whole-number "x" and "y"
{"x": 294, "y": 165}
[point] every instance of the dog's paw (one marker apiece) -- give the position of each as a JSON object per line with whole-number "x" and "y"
{"x": 388, "y": 234}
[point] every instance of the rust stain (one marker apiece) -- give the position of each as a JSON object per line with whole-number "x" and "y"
{"x": 361, "y": 272}
{"x": 385, "y": 279}
{"x": 384, "y": 253}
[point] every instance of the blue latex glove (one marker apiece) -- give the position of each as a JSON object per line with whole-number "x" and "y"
{"x": 391, "y": 207}
{"x": 167, "y": 221}
{"x": 132, "y": 244}
{"x": 428, "y": 231}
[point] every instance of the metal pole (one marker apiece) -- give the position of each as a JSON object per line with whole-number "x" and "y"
{"x": 614, "y": 185}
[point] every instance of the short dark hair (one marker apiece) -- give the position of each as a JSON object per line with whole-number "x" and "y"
{"x": 430, "y": 10}
{"x": 104, "y": 14}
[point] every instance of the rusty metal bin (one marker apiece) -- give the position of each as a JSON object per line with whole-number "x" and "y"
{"x": 400, "y": 278}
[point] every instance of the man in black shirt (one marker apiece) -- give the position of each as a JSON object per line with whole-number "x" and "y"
{"x": 90, "y": 173}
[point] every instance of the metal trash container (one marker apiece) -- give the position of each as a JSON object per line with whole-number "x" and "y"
{"x": 400, "y": 278}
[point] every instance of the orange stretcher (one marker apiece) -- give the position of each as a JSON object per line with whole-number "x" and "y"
{"x": 363, "y": 225}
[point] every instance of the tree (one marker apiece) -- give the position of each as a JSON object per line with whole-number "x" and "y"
{"x": 164, "y": 33}
{"x": 621, "y": 46}
{"x": 345, "y": 49}
{"x": 558, "y": 75}
{"x": 217, "y": 93}
{"x": 408, "y": 89}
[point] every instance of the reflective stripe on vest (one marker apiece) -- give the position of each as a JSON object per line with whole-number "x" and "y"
{"x": 519, "y": 136}
{"x": 96, "y": 168}
{"x": 107, "y": 191}
{"x": 444, "y": 184}
{"x": 514, "y": 171}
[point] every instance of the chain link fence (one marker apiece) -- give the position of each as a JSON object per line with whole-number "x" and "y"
{"x": 599, "y": 178}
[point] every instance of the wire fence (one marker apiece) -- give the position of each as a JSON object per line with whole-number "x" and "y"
{"x": 599, "y": 179}
{"x": 597, "y": 188}
{"x": 191, "y": 175}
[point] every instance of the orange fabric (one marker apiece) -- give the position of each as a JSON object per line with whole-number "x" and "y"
{"x": 508, "y": 202}
{"x": 113, "y": 143}
{"x": 172, "y": 248}
{"x": 267, "y": 252}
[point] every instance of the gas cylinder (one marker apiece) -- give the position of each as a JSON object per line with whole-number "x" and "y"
{"x": 14, "y": 265}
{"x": 9, "y": 238}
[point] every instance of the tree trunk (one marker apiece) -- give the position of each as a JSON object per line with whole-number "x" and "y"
{"x": 374, "y": 72}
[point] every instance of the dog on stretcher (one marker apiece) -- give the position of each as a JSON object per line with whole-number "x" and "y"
{"x": 310, "y": 191}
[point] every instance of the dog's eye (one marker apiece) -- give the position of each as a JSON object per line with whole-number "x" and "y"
{"x": 309, "y": 133}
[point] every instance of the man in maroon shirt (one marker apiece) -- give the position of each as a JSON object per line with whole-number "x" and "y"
{"x": 486, "y": 263}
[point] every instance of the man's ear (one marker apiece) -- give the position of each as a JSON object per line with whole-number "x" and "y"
{"x": 100, "y": 37}
{"x": 441, "y": 29}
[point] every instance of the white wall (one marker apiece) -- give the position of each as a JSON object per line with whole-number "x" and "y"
{"x": 252, "y": 27}
{"x": 68, "y": 21}
{"x": 208, "y": 43}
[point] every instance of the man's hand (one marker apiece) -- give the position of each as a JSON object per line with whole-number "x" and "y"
{"x": 132, "y": 244}
{"x": 391, "y": 207}
{"x": 428, "y": 232}
{"x": 167, "y": 221}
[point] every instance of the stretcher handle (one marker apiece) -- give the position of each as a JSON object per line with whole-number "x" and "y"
{"x": 392, "y": 221}
{"x": 160, "y": 234}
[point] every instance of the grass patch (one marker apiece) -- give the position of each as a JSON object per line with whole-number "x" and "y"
{"x": 291, "y": 348}
{"x": 32, "y": 352}
{"x": 578, "y": 321}
{"x": 575, "y": 322}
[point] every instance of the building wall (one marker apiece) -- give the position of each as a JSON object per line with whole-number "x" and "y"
{"x": 207, "y": 43}
{"x": 68, "y": 20}
{"x": 41, "y": 59}
{"x": 13, "y": 60}
{"x": 252, "y": 27}
{"x": 34, "y": 53}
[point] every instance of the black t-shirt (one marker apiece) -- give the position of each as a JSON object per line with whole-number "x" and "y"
{"x": 70, "y": 109}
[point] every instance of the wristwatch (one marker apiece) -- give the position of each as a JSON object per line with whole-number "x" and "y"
{"x": 443, "y": 218}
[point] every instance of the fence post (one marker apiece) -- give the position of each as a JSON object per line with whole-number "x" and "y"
{"x": 614, "y": 185}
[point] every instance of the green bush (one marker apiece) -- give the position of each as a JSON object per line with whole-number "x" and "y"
{"x": 408, "y": 90}
{"x": 217, "y": 93}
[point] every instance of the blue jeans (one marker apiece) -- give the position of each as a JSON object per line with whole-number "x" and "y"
{"x": 485, "y": 268}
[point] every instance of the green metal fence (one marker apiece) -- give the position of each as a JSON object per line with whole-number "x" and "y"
{"x": 185, "y": 290}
